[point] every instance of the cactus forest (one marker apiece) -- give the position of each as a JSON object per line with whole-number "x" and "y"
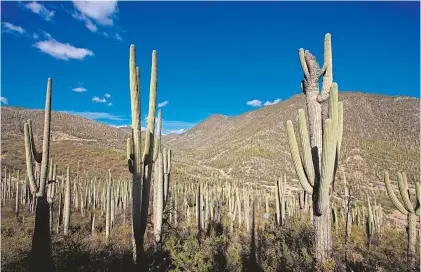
{"x": 165, "y": 208}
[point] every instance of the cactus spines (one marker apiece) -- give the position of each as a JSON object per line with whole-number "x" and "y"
{"x": 406, "y": 209}
{"x": 316, "y": 167}
{"x": 140, "y": 165}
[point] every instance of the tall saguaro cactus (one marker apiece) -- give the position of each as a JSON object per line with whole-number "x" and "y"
{"x": 41, "y": 240}
{"x": 406, "y": 209}
{"x": 140, "y": 165}
{"x": 316, "y": 168}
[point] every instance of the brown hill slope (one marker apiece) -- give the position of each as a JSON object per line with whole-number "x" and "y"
{"x": 380, "y": 132}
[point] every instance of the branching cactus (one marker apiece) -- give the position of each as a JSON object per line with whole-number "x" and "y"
{"x": 406, "y": 208}
{"x": 316, "y": 167}
{"x": 41, "y": 241}
{"x": 140, "y": 165}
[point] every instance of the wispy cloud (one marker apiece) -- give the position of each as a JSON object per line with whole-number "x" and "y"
{"x": 97, "y": 115}
{"x": 258, "y": 103}
{"x": 88, "y": 23}
{"x": 110, "y": 104}
{"x": 79, "y": 89}
{"x": 163, "y": 104}
{"x": 276, "y": 101}
{"x": 128, "y": 126}
{"x": 107, "y": 95}
{"x": 3, "y": 100}
{"x": 101, "y": 12}
{"x": 254, "y": 103}
{"x": 63, "y": 51}
{"x": 99, "y": 100}
{"x": 118, "y": 37}
{"x": 11, "y": 28}
{"x": 35, "y": 36}
{"x": 178, "y": 131}
{"x": 40, "y": 10}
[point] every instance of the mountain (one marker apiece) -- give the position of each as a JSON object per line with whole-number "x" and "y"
{"x": 380, "y": 133}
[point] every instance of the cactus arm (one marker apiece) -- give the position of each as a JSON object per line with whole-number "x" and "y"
{"x": 158, "y": 137}
{"x": 293, "y": 145}
{"x": 148, "y": 150}
{"x": 303, "y": 63}
{"x": 392, "y": 195}
{"x": 403, "y": 189}
{"x": 37, "y": 156}
{"x": 46, "y": 141}
{"x": 327, "y": 168}
{"x": 305, "y": 144}
{"x": 29, "y": 161}
{"x": 326, "y": 70}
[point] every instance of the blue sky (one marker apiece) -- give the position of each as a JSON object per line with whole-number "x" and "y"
{"x": 213, "y": 57}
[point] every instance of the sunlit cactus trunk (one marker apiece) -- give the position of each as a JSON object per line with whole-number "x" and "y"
{"x": 316, "y": 167}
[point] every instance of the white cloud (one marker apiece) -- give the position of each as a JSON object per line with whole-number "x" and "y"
{"x": 254, "y": 103}
{"x": 4, "y": 100}
{"x": 63, "y": 51}
{"x": 102, "y": 12}
{"x": 97, "y": 115}
{"x": 99, "y": 100}
{"x": 88, "y": 23}
{"x": 178, "y": 131}
{"x": 79, "y": 89}
{"x": 163, "y": 104}
{"x": 118, "y": 37}
{"x": 35, "y": 36}
{"x": 11, "y": 28}
{"x": 107, "y": 95}
{"x": 110, "y": 104}
{"x": 40, "y": 10}
{"x": 105, "y": 34}
{"x": 276, "y": 101}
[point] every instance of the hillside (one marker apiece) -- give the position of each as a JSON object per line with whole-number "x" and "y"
{"x": 380, "y": 132}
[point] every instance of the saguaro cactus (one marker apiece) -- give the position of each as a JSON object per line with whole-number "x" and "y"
{"x": 67, "y": 201}
{"x": 316, "y": 168}
{"x": 280, "y": 192}
{"x": 51, "y": 190}
{"x": 140, "y": 165}
{"x": 41, "y": 240}
{"x": 406, "y": 209}
{"x": 369, "y": 223}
